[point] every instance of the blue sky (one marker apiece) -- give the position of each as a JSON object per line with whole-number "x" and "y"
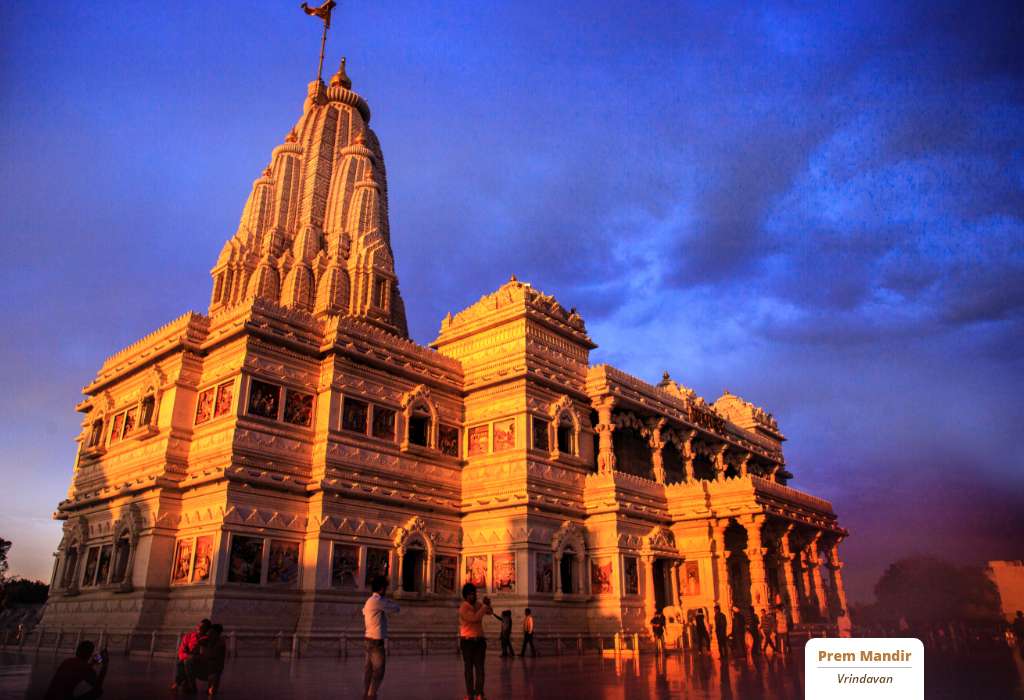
{"x": 818, "y": 208}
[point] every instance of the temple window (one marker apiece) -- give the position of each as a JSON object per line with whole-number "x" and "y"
{"x": 354, "y": 415}
{"x": 298, "y": 408}
{"x": 566, "y": 435}
{"x": 632, "y": 452}
{"x": 96, "y": 434}
{"x": 383, "y": 423}
{"x": 122, "y": 549}
{"x": 70, "y": 567}
{"x": 419, "y": 426}
{"x": 117, "y": 428}
{"x": 413, "y": 564}
{"x": 92, "y": 560}
{"x": 567, "y": 569}
{"x": 381, "y": 287}
{"x": 146, "y": 408}
{"x": 540, "y": 434}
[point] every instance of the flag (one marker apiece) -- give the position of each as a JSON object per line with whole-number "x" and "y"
{"x": 323, "y": 12}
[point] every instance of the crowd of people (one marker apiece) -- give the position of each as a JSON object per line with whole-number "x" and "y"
{"x": 750, "y": 632}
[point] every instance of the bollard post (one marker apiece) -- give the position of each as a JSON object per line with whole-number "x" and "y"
{"x": 56, "y": 643}
{"x": 128, "y": 643}
{"x": 232, "y": 644}
{"x": 295, "y": 646}
{"x": 21, "y": 639}
{"x": 423, "y": 644}
{"x": 636, "y": 644}
{"x": 39, "y": 639}
{"x": 152, "y": 644}
{"x": 344, "y": 646}
{"x": 579, "y": 644}
{"x": 102, "y": 639}
{"x": 558, "y": 645}
{"x": 78, "y": 637}
{"x": 277, "y": 644}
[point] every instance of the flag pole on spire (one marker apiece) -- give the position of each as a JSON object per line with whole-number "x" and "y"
{"x": 324, "y": 13}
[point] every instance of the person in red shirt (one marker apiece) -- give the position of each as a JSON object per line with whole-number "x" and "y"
{"x": 77, "y": 670}
{"x": 472, "y": 641}
{"x": 188, "y": 656}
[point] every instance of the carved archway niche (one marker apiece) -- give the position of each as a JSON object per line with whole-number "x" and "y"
{"x": 564, "y": 428}
{"x": 569, "y": 544}
{"x": 413, "y": 539}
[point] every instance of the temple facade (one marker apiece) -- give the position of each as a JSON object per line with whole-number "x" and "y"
{"x": 260, "y": 463}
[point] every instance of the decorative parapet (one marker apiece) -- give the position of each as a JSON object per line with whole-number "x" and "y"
{"x": 670, "y": 400}
{"x": 188, "y": 330}
{"x": 344, "y": 331}
{"x": 747, "y": 415}
{"x": 792, "y": 495}
{"x": 512, "y": 298}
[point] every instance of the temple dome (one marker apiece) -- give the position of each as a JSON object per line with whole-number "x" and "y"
{"x": 314, "y": 232}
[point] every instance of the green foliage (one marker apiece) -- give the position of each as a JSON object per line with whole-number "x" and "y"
{"x": 5, "y": 546}
{"x": 22, "y": 591}
{"x": 926, "y": 589}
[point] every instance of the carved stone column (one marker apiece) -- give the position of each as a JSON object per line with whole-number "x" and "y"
{"x": 835, "y": 565}
{"x": 814, "y": 563}
{"x": 718, "y": 461}
{"x": 786, "y": 560}
{"x": 650, "y": 603}
{"x": 604, "y": 429}
{"x": 741, "y": 463}
{"x": 677, "y": 598}
{"x": 755, "y": 555}
{"x": 722, "y": 594}
{"x": 656, "y": 444}
{"x": 557, "y": 574}
{"x": 688, "y": 454}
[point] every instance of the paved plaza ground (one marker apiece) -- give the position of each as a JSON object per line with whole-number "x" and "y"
{"x": 993, "y": 675}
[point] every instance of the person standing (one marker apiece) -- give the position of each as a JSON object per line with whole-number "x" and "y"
{"x": 721, "y": 632}
{"x": 212, "y": 655}
{"x": 754, "y": 628}
{"x": 506, "y": 633}
{"x": 528, "y": 634}
{"x": 768, "y": 631}
{"x": 658, "y": 629}
{"x": 700, "y": 630}
{"x": 375, "y": 618}
{"x": 79, "y": 669}
{"x": 188, "y": 656}
{"x": 472, "y": 641}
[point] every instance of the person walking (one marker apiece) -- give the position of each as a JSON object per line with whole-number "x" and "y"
{"x": 472, "y": 641}
{"x": 700, "y": 632}
{"x": 754, "y": 629}
{"x": 188, "y": 656}
{"x": 506, "y": 633}
{"x": 528, "y": 634}
{"x": 658, "y": 629}
{"x": 768, "y": 631}
{"x": 739, "y": 631}
{"x": 375, "y": 619}
{"x": 79, "y": 669}
{"x": 722, "y": 632}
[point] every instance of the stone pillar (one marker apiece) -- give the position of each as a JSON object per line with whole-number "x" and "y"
{"x": 604, "y": 429}
{"x": 755, "y": 555}
{"x": 649, "y": 601}
{"x": 742, "y": 462}
{"x": 722, "y": 593}
{"x": 556, "y": 574}
{"x": 677, "y": 598}
{"x": 835, "y": 565}
{"x": 718, "y": 461}
{"x": 688, "y": 454}
{"x": 656, "y": 444}
{"x": 786, "y": 559}
{"x": 815, "y": 553}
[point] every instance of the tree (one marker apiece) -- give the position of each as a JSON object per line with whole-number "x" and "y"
{"x": 5, "y": 546}
{"x": 926, "y": 589}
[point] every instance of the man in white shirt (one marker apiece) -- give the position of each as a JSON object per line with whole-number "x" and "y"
{"x": 375, "y": 617}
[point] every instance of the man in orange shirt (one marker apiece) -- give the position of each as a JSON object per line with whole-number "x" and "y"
{"x": 472, "y": 641}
